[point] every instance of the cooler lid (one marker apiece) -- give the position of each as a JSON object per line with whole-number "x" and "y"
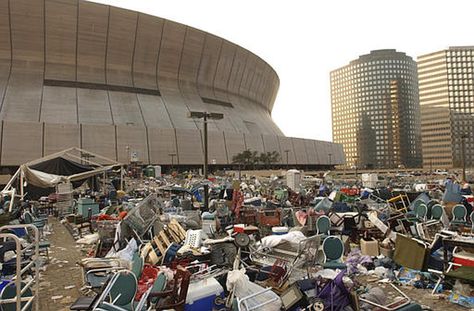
{"x": 202, "y": 289}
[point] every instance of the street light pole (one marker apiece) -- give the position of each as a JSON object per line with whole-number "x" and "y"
{"x": 330, "y": 155}
{"x": 172, "y": 155}
{"x": 205, "y": 116}
{"x": 286, "y": 151}
{"x": 356, "y": 163}
{"x": 463, "y": 145}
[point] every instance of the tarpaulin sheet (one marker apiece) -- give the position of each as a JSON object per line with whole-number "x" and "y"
{"x": 42, "y": 177}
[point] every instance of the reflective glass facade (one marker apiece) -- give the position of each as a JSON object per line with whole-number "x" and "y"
{"x": 375, "y": 110}
{"x": 447, "y": 106}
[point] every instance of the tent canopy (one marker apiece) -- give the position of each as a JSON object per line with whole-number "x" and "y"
{"x": 60, "y": 167}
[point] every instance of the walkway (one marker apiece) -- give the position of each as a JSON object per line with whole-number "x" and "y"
{"x": 61, "y": 279}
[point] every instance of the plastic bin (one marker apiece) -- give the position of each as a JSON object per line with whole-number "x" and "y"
{"x": 202, "y": 295}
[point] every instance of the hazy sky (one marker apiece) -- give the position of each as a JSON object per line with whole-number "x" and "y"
{"x": 304, "y": 40}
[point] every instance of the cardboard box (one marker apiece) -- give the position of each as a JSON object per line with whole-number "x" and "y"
{"x": 369, "y": 247}
{"x": 387, "y": 252}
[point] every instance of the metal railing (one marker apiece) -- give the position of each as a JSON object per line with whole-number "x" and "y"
{"x": 17, "y": 278}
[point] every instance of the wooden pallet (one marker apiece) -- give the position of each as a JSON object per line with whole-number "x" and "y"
{"x": 156, "y": 249}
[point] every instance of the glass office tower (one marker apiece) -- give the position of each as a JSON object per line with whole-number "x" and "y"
{"x": 375, "y": 110}
{"x": 447, "y": 106}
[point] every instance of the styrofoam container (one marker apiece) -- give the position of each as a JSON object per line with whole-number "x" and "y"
{"x": 202, "y": 294}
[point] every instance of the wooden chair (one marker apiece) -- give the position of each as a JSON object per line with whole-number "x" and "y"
{"x": 176, "y": 297}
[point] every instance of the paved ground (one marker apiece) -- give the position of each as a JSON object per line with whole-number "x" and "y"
{"x": 61, "y": 272}
{"x": 422, "y": 297}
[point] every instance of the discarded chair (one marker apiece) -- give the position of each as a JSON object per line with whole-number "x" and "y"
{"x": 9, "y": 292}
{"x": 38, "y": 223}
{"x": 121, "y": 281}
{"x": 323, "y": 224}
{"x": 471, "y": 217}
{"x": 399, "y": 204}
{"x": 84, "y": 223}
{"x": 333, "y": 249}
{"x": 176, "y": 297}
{"x": 96, "y": 278}
{"x": 437, "y": 211}
{"x": 123, "y": 292}
{"x": 403, "y": 303}
{"x": 459, "y": 215}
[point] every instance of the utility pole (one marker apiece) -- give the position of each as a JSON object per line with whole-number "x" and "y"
{"x": 286, "y": 151}
{"x": 172, "y": 155}
{"x": 463, "y": 145}
{"x": 205, "y": 116}
{"x": 356, "y": 163}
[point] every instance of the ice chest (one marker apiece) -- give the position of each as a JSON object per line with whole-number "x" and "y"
{"x": 202, "y": 295}
{"x": 84, "y": 204}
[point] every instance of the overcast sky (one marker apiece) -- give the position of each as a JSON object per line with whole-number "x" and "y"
{"x": 304, "y": 40}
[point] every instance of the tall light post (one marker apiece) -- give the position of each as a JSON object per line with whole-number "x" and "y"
{"x": 286, "y": 151}
{"x": 330, "y": 158}
{"x": 205, "y": 116}
{"x": 463, "y": 154}
{"x": 172, "y": 155}
{"x": 356, "y": 163}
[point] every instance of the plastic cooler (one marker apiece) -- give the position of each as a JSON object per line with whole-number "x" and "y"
{"x": 201, "y": 295}
{"x": 463, "y": 259}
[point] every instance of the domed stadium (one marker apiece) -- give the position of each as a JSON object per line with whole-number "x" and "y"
{"x": 117, "y": 82}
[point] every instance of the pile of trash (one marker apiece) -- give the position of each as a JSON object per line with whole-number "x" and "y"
{"x": 272, "y": 243}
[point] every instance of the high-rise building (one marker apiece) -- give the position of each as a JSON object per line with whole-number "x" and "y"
{"x": 447, "y": 106}
{"x": 375, "y": 110}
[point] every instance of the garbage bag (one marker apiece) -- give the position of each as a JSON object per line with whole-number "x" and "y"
{"x": 242, "y": 287}
{"x": 335, "y": 294}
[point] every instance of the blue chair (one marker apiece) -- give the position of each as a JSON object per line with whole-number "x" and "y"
{"x": 333, "y": 249}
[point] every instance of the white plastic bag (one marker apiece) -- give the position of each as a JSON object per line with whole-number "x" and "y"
{"x": 239, "y": 283}
{"x": 126, "y": 253}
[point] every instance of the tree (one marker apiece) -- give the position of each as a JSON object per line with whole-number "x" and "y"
{"x": 269, "y": 158}
{"x": 246, "y": 158}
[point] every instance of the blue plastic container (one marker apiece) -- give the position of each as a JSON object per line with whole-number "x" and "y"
{"x": 202, "y": 295}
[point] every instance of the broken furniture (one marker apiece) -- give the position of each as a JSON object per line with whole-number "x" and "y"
{"x": 333, "y": 249}
{"x": 323, "y": 224}
{"x": 176, "y": 297}
{"x": 459, "y": 216}
{"x": 142, "y": 217}
{"x": 166, "y": 242}
{"x": 96, "y": 271}
{"x": 301, "y": 255}
{"x": 402, "y": 303}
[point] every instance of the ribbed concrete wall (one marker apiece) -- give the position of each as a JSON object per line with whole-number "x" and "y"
{"x": 113, "y": 81}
